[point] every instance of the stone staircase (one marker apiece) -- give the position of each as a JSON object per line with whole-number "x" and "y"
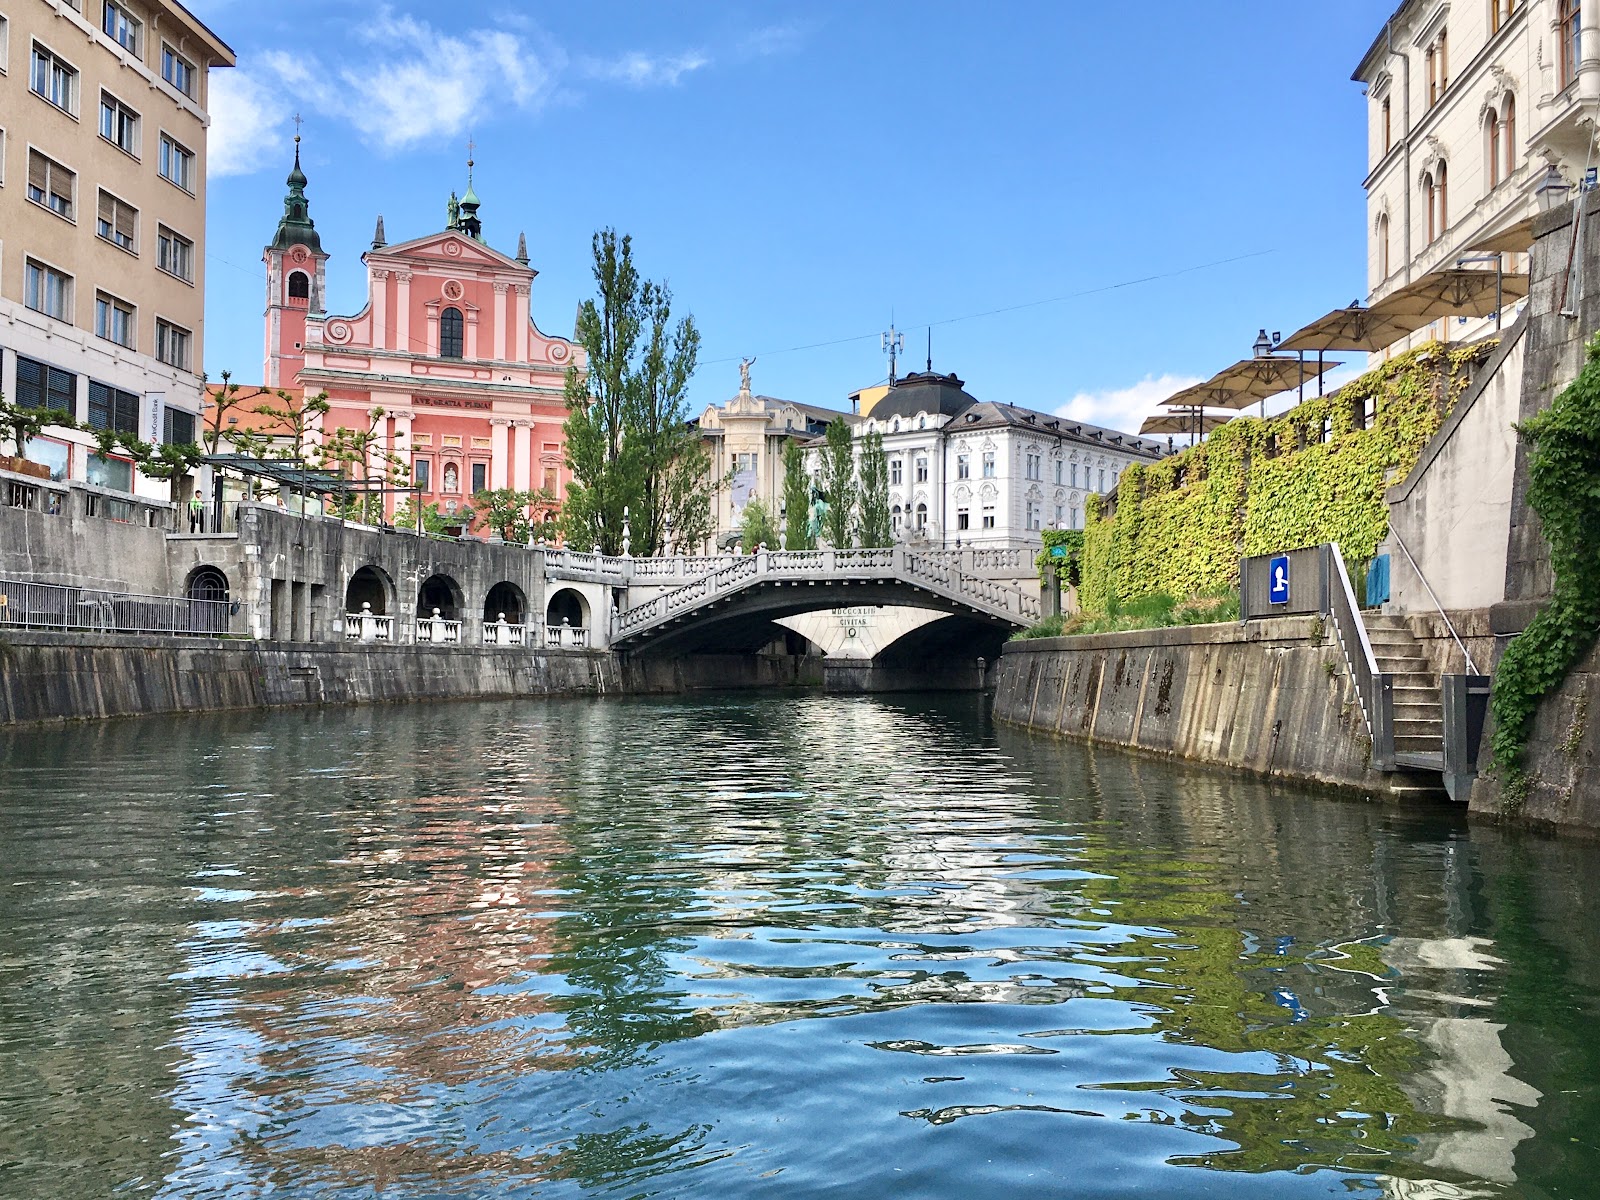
{"x": 1418, "y": 714}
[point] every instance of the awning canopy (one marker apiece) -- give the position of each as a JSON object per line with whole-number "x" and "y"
{"x": 1180, "y": 422}
{"x": 1451, "y": 292}
{"x": 290, "y": 472}
{"x": 1353, "y": 328}
{"x": 1516, "y": 239}
{"x": 1249, "y": 380}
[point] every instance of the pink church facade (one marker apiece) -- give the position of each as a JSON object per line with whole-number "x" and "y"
{"x": 472, "y": 391}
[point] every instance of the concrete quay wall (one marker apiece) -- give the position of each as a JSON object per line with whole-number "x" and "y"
{"x": 1271, "y": 697}
{"x": 52, "y": 677}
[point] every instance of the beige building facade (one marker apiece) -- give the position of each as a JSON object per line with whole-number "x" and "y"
{"x": 1470, "y": 103}
{"x": 102, "y": 222}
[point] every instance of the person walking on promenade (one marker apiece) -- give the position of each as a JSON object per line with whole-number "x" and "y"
{"x": 197, "y": 513}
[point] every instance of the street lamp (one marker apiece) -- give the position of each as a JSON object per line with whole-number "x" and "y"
{"x": 1552, "y": 190}
{"x": 1263, "y": 345}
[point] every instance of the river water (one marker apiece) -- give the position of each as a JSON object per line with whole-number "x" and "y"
{"x": 785, "y": 946}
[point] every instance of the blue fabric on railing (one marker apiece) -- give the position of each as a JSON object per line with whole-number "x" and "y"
{"x": 1378, "y": 581}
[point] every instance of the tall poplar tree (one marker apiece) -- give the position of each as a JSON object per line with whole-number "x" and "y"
{"x": 629, "y": 443}
{"x": 838, "y": 482}
{"x": 874, "y": 492}
{"x": 796, "y": 498}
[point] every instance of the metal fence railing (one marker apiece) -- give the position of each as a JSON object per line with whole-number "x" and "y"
{"x": 58, "y": 606}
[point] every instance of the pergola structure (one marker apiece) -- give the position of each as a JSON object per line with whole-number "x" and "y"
{"x": 296, "y": 475}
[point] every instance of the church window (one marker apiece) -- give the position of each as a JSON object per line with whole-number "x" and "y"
{"x": 421, "y": 473}
{"x": 450, "y": 333}
{"x": 480, "y": 477}
{"x": 299, "y": 285}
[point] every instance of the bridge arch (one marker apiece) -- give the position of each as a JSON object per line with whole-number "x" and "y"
{"x": 369, "y": 585}
{"x": 505, "y": 598}
{"x": 440, "y": 592}
{"x": 567, "y": 606}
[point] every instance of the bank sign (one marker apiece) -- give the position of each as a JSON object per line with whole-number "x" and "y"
{"x": 1278, "y": 580}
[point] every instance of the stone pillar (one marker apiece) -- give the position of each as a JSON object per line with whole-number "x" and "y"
{"x": 498, "y": 446}
{"x": 501, "y": 317}
{"x": 1589, "y": 53}
{"x": 524, "y": 328}
{"x": 402, "y": 303}
{"x": 522, "y": 469}
{"x": 382, "y": 335}
{"x": 472, "y": 333}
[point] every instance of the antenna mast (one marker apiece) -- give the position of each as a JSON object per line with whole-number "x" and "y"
{"x": 893, "y": 343}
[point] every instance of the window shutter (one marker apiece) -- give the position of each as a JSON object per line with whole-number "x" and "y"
{"x": 108, "y": 209}
{"x": 99, "y": 406}
{"x": 38, "y": 170}
{"x": 124, "y": 221}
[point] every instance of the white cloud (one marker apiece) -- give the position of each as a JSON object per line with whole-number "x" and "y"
{"x": 1125, "y": 408}
{"x": 247, "y": 120}
{"x": 637, "y": 69}
{"x": 773, "y": 39}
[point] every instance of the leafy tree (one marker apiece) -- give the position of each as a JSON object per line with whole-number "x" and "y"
{"x": 21, "y": 424}
{"x": 629, "y": 443}
{"x": 796, "y": 498}
{"x": 297, "y": 418}
{"x": 353, "y": 453}
{"x": 505, "y": 511}
{"x": 874, "y": 493}
{"x": 756, "y": 528}
{"x": 837, "y": 479}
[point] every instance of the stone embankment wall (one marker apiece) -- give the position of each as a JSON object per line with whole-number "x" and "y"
{"x": 46, "y": 677}
{"x": 1270, "y": 697}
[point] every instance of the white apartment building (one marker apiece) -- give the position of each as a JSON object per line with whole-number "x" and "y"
{"x": 980, "y": 474}
{"x": 1470, "y": 104}
{"x": 102, "y": 222}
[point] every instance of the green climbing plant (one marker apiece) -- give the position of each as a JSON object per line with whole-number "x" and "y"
{"x": 1564, "y": 489}
{"x": 1316, "y": 473}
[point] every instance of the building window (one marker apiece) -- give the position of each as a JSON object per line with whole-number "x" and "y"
{"x": 52, "y": 185}
{"x": 896, "y": 471}
{"x": 963, "y": 520}
{"x": 1033, "y": 514}
{"x": 54, "y": 79}
{"x": 922, "y": 518}
{"x": 1074, "y": 474}
{"x": 1387, "y": 118}
{"x": 177, "y": 70}
{"x": 1570, "y": 35}
{"x": 177, "y": 427}
{"x": 1035, "y": 466}
{"x": 1499, "y": 14}
{"x": 122, "y": 27}
{"x": 41, "y": 386}
{"x": 177, "y": 164}
{"x": 480, "y": 477}
{"x": 894, "y": 518}
{"x": 48, "y": 291}
{"x": 113, "y": 320}
{"x": 1383, "y": 246}
{"x": 922, "y": 469}
{"x": 111, "y": 408}
{"x": 1102, "y": 486}
{"x": 1491, "y": 148}
{"x": 113, "y": 473}
{"x": 1438, "y": 67}
{"x": 421, "y": 470}
{"x": 988, "y": 516}
{"x": 116, "y": 222}
{"x": 1059, "y": 465}
{"x": 963, "y": 466}
{"x": 172, "y": 344}
{"x": 299, "y": 285}
{"x": 988, "y": 464}
{"x": 450, "y": 333}
{"x": 1435, "y": 196}
{"x": 1508, "y": 135}
{"x": 1077, "y": 517}
{"x": 119, "y": 124}
{"x": 1060, "y": 514}
{"x": 174, "y": 254}
{"x": 5, "y": 44}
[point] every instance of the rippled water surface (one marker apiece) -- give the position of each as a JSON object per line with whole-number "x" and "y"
{"x": 785, "y": 946}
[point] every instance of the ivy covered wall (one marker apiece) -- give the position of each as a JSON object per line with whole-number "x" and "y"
{"x": 1317, "y": 473}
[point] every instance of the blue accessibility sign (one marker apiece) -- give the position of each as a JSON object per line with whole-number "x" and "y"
{"x": 1278, "y": 580}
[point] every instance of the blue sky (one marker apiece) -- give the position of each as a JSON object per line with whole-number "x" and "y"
{"x": 799, "y": 173}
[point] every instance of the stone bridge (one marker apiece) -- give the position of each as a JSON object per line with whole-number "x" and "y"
{"x": 732, "y": 608}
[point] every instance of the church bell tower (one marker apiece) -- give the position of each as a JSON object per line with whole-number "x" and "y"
{"x": 296, "y": 282}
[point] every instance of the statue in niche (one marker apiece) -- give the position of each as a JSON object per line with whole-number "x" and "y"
{"x": 452, "y": 478}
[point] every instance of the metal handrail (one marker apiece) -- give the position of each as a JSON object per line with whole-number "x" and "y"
{"x": 1472, "y": 667}
{"x": 1373, "y": 688}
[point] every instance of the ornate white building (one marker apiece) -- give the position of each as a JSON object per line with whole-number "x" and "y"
{"x": 989, "y": 475}
{"x": 1469, "y": 106}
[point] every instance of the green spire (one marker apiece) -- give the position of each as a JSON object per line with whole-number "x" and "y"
{"x": 470, "y": 224}
{"x": 296, "y": 228}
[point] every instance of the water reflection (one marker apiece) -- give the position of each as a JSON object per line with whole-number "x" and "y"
{"x": 742, "y": 947}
